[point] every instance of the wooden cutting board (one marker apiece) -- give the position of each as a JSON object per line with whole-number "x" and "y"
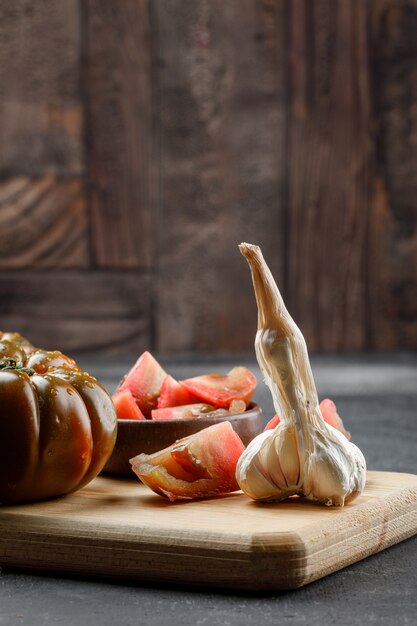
{"x": 119, "y": 528}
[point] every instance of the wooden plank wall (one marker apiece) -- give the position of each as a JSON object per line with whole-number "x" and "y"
{"x": 141, "y": 141}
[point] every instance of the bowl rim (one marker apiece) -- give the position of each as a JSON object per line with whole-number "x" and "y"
{"x": 252, "y": 408}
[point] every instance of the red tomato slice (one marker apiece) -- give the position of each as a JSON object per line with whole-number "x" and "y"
{"x": 144, "y": 382}
{"x": 198, "y": 466}
{"x": 185, "y": 412}
{"x": 174, "y": 394}
{"x": 329, "y": 413}
{"x": 332, "y": 417}
{"x": 272, "y": 423}
{"x": 126, "y": 407}
{"x": 219, "y": 390}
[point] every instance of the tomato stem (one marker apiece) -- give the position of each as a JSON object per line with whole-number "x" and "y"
{"x": 10, "y": 364}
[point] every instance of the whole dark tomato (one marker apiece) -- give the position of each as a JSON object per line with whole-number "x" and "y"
{"x": 57, "y": 423}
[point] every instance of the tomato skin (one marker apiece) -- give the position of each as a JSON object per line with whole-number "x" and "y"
{"x": 64, "y": 439}
{"x": 57, "y": 428}
{"x": 18, "y": 340}
{"x": 198, "y": 466}
{"x": 102, "y": 414}
{"x": 19, "y": 433}
{"x": 43, "y": 361}
{"x": 12, "y": 350}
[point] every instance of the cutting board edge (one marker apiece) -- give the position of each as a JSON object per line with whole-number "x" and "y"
{"x": 253, "y": 565}
{"x": 250, "y": 581}
{"x": 399, "y": 506}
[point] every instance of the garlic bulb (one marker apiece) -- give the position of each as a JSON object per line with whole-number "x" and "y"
{"x": 303, "y": 455}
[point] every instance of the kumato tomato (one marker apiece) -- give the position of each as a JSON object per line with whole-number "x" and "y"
{"x": 57, "y": 423}
{"x": 197, "y": 466}
{"x": 220, "y": 390}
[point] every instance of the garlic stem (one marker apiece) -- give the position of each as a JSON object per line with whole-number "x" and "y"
{"x": 281, "y": 348}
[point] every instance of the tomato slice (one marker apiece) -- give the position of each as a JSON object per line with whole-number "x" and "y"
{"x": 174, "y": 394}
{"x": 126, "y": 407}
{"x": 190, "y": 463}
{"x": 272, "y": 423}
{"x": 329, "y": 413}
{"x": 198, "y": 466}
{"x": 185, "y": 412}
{"x": 220, "y": 390}
{"x": 144, "y": 382}
{"x": 331, "y": 416}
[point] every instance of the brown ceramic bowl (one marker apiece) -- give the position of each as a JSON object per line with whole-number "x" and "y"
{"x": 136, "y": 436}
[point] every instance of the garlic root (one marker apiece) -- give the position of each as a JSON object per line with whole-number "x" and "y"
{"x": 303, "y": 455}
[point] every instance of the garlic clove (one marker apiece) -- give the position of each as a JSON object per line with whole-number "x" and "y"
{"x": 287, "y": 452}
{"x": 254, "y": 479}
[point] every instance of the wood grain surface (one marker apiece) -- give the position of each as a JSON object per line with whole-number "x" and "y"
{"x": 152, "y": 136}
{"x": 332, "y": 156}
{"x": 118, "y": 528}
{"x": 393, "y": 246}
{"x": 74, "y": 309}
{"x": 119, "y": 104}
{"x": 219, "y": 88}
{"x": 40, "y": 105}
{"x": 43, "y": 223}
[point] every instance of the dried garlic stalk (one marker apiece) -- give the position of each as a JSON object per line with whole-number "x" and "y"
{"x": 303, "y": 455}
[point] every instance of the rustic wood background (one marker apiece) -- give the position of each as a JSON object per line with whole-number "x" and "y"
{"x": 141, "y": 141}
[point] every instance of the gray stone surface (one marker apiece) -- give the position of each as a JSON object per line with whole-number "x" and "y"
{"x": 377, "y": 398}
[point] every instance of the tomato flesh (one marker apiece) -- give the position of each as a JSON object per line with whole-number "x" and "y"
{"x": 331, "y": 416}
{"x": 221, "y": 390}
{"x": 185, "y": 412}
{"x": 126, "y": 407}
{"x": 144, "y": 382}
{"x": 329, "y": 413}
{"x": 189, "y": 463}
{"x": 153, "y": 390}
{"x": 272, "y": 423}
{"x": 174, "y": 394}
{"x": 198, "y": 466}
